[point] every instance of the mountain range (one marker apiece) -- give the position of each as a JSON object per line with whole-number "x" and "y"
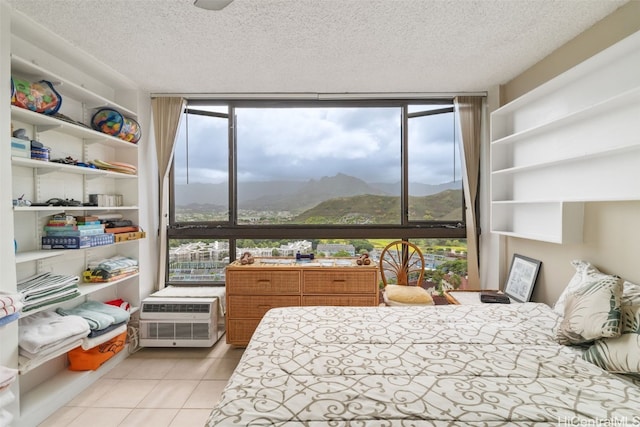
{"x": 297, "y": 196}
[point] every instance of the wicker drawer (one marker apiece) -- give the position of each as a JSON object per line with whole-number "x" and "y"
{"x": 344, "y": 300}
{"x": 255, "y": 306}
{"x": 340, "y": 282}
{"x": 239, "y": 331}
{"x": 263, "y": 282}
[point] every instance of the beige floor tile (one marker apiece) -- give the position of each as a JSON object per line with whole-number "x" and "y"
{"x": 152, "y": 369}
{"x": 169, "y": 394}
{"x": 124, "y": 368}
{"x": 149, "y": 417}
{"x": 62, "y": 417}
{"x": 172, "y": 352}
{"x": 221, "y": 369}
{"x": 205, "y": 395}
{"x": 100, "y": 417}
{"x": 189, "y": 369}
{"x": 94, "y": 392}
{"x": 126, "y": 394}
{"x": 191, "y": 417}
{"x": 222, "y": 349}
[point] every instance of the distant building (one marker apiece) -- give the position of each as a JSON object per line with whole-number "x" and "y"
{"x": 330, "y": 249}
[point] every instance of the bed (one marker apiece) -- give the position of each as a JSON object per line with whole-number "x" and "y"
{"x": 488, "y": 364}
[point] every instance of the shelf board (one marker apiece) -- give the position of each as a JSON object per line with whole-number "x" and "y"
{"x": 72, "y": 208}
{"x": 46, "y": 123}
{"x": 540, "y": 237}
{"x": 627, "y": 148}
{"x": 85, "y": 289}
{"x": 37, "y": 255}
{"x": 48, "y": 167}
{"x": 43, "y": 400}
{"x": 64, "y": 86}
{"x": 629, "y": 98}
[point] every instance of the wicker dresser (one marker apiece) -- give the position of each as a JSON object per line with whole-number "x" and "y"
{"x": 253, "y": 289}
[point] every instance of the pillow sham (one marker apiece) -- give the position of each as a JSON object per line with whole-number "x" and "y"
{"x": 586, "y": 273}
{"x": 591, "y": 312}
{"x": 622, "y": 354}
{"x": 630, "y": 294}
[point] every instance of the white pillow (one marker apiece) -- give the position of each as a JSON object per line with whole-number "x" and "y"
{"x": 622, "y": 354}
{"x": 586, "y": 273}
{"x": 631, "y": 294}
{"x": 591, "y": 312}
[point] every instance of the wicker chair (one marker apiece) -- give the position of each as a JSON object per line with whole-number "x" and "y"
{"x": 402, "y": 272}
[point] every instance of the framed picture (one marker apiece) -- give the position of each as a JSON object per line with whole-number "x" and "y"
{"x": 522, "y": 277}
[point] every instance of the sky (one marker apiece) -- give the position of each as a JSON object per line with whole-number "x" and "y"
{"x": 300, "y": 144}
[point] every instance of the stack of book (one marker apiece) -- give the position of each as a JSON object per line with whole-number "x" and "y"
{"x": 65, "y": 232}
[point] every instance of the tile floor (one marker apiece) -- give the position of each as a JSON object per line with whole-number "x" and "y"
{"x": 160, "y": 387}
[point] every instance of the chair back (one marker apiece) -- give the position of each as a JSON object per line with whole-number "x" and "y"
{"x": 402, "y": 263}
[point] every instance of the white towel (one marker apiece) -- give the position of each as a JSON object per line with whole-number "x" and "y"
{"x": 6, "y": 397}
{"x": 5, "y": 418}
{"x": 28, "y": 363}
{"x": 88, "y": 343}
{"x": 7, "y": 376}
{"x": 7, "y": 299}
{"x": 46, "y": 328}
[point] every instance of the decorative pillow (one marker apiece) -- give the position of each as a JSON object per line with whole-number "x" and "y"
{"x": 586, "y": 273}
{"x": 592, "y": 312}
{"x": 620, "y": 354}
{"x": 630, "y": 294}
{"x": 407, "y": 295}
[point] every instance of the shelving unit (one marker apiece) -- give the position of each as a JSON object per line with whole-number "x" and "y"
{"x": 574, "y": 139}
{"x": 41, "y": 389}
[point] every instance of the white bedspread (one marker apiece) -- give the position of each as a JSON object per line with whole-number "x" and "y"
{"x": 418, "y": 366}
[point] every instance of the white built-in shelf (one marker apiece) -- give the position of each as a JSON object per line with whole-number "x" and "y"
{"x": 85, "y": 289}
{"x": 47, "y": 167}
{"x": 572, "y": 140}
{"x": 44, "y": 123}
{"x": 55, "y": 392}
{"x": 65, "y": 86}
{"x": 53, "y": 209}
{"x": 28, "y": 256}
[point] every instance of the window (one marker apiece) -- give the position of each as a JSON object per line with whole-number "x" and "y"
{"x": 270, "y": 176}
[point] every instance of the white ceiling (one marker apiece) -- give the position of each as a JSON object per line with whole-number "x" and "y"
{"x": 256, "y": 46}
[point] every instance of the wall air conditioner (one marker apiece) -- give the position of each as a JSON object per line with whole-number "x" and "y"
{"x": 179, "y": 322}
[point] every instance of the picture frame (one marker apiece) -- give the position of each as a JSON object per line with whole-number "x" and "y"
{"x": 522, "y": 278}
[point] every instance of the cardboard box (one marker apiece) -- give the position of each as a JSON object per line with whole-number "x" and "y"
{"x": 76, "y": 242}
{"x": 123, "y": 237}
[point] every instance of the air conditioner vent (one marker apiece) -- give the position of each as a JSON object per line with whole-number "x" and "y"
{"x": 175, "y": 308}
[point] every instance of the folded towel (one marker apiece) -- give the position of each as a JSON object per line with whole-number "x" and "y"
{"x": 7, "y": 299}
{"x": 89, "y": 343}
{"x": 8, "y": 319}
{"x": 5, "y": 418}
{"x": 7, "y": 376}
{"x": 25, "y": 363}
{"x": 10, "y": 309}
{"x": 98, "y": 332}
{"x": 98, "y": 314}
{"x": 6, "y": 397}
{"x": 46, "y": 328}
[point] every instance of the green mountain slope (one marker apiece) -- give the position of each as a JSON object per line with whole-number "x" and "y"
{"x": 373, "y": 209}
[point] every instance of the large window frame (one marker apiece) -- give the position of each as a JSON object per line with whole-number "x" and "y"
{"x": 230, "y": 230}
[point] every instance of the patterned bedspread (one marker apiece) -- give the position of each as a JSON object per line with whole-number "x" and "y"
{"x": 418, "y": 366}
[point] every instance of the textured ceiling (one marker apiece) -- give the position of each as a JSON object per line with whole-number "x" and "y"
{"x": 170, "y": 46}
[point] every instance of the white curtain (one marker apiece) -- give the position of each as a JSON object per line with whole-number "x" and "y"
{"x": 167, "y": 113}
{"x": 469, "y": 116}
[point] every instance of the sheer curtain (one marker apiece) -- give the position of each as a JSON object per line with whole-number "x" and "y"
{"x": 469, "y": 114}
{"x": 167, "y": 113}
